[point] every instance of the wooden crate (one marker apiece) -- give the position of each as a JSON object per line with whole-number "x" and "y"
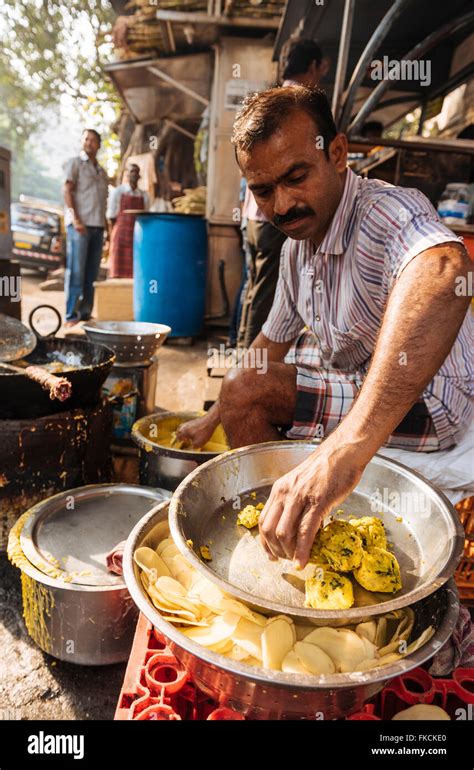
{"x": 114, "y": 300}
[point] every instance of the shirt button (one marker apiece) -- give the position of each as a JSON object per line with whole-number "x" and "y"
{"x": 318, "y": 318}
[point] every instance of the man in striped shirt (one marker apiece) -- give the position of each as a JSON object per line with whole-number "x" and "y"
{"x": 368, "y": 341}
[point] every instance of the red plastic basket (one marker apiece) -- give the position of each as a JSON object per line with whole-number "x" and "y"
{"x": 157, "y": 687}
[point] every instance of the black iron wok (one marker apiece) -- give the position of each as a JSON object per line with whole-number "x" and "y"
{"x": 21, "y": 398}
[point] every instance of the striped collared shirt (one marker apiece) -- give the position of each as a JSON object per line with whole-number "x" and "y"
{"x": 340, "y": 290}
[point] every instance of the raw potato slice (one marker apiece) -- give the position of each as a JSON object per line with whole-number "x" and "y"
{"x": 238, "y": 653}
{"x": 381, "y": 634}
{"x": 249, "y": 636}
{"x": 167, "y": 585}
{"x": 345, "y": 648}
{"x": 223, "y": 648}
{"x": 221, "y": 628}
{"x": 164, "y": 544}
{"x": 291, "y": 664}
{"x": 422, "y": 711}
{"x": 182, "y": 622}
{"x": 212, "y": 596}
{"x": 314, "y": 659}
{"x": 149, "y": 561}
{"x": 278, "y": 638}
{"x": 366, "y": 665}
{"x": 422, "y": 639}
{"x": 367, "y": 630}
{"x": 370, "y": 649}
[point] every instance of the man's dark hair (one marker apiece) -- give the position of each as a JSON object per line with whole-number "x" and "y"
{"x": 93, "y": 131}
{"x": 372, "y": 128}
{"x": 264, "y": 112}
{"x": 297, "y": 55}
{"x": 134, "y": 165}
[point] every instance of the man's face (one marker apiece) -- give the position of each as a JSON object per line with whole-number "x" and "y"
{"x": 295, "y": 185}
{"x": 90, "y": 143}
{"x": 133, "y": 176}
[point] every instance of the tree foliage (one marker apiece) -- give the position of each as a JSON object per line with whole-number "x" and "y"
{"x": 47, "y": 52}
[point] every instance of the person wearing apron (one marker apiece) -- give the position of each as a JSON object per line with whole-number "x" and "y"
{"x": 123, "y": 199}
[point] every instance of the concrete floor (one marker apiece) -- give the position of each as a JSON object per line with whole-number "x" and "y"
{"x": 34, "y": 685}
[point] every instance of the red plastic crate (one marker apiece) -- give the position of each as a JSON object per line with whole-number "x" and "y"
{"x": 158, "y": 687}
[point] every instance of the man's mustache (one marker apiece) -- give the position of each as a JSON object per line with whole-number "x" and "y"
{"x": 291, "y": 215}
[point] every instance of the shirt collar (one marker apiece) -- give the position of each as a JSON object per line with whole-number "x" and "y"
{"x": 334, "y": 242}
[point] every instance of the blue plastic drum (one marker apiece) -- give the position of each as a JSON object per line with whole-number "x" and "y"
{"x": 169, "y": 268}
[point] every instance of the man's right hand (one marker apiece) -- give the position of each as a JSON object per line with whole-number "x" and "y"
{"x": 198, "y": 431}
{"x": 79, "y": 226}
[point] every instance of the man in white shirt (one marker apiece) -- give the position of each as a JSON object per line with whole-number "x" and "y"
{"x": 85, "y": 195}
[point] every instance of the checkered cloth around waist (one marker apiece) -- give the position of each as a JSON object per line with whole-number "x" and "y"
{"x": 325, "y": 395}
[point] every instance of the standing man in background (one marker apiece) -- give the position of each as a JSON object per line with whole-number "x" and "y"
{"x": 85, "y": 195}
{"x": 301, "y": 63}
{"x": 121, "y": 223}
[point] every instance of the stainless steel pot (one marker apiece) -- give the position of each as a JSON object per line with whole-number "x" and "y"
{"x": 263, "y": 694}
{"x": 163, "y": 466}
{"x": 91, "y": 619}
{"x": 427, "y": 542}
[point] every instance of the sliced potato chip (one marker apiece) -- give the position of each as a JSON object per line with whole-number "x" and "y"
{"x": 368, "y": 630}
{"x": 164, "y": 544}
{"x": 342, "y": 645}
{"x": 238, "y": 653}
{"x": 291, "y": 664}
{"x": 221, "y": 628}
{"x": 151, "y": 563}
{"x": 314, "y": 659}
{"x": 278, "y": 638}
{"x": 249, "y": 636}
{"x": 366, "y": 665}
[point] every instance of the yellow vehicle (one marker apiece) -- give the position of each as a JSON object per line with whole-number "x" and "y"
{"x": 38, "y": 233}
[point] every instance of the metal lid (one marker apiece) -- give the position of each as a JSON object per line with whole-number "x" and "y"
{"x": 69, "y": 535}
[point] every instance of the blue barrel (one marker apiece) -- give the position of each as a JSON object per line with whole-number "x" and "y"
{"x": 169, "y": 269}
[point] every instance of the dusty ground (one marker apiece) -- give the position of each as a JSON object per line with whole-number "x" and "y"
{"x": 32, "y": 684}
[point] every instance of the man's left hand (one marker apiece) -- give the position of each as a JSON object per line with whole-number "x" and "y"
{"x": 301, "y": 499}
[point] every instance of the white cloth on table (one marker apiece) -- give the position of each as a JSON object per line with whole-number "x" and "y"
{"x": 452, "y": 470}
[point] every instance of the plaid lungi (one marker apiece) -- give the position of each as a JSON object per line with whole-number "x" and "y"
{"x": 325, "y": 396}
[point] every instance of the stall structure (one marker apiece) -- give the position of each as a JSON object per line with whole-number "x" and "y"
{"x": 389, "y": 60}
{"x": 181, "y": 102}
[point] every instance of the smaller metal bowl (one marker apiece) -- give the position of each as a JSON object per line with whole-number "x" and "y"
{"x": 263, "y": 694}
{"x": 133, "y": 342}
{"x": 164, "y": 466}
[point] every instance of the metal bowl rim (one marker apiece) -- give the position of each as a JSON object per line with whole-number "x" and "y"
{"x": 94, "y": 328}
{"x": 456, "y": 551}
{"x": 151, "y": 447}
{"x": 254, "y": 673}
{"x": 29, "y": 569}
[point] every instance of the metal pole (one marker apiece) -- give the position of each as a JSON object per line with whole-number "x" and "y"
{"x": 179, "y": 128}
{"x": 168, "y": 79}
{"x": 343, "y": 55}
{"x": 419, "y": 50}
{"x": 378, "y": 36}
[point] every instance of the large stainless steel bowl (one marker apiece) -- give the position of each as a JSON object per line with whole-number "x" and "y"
{"x": 428, "y": 543}
{"x": 263, "y": 694}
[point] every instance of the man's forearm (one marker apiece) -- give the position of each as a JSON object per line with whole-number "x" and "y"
{"x": 69, "y": 200}
{"x": 421, "y": 323}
